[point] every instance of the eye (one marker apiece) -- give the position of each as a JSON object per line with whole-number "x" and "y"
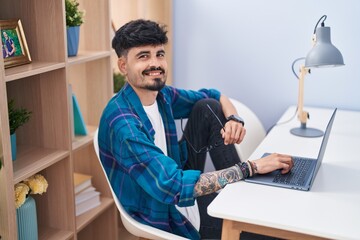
{"x": 161, "y": 55}
{"x": 143, "y": 56}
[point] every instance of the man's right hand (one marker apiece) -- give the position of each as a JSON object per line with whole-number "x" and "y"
{"x": 273, "y": 162}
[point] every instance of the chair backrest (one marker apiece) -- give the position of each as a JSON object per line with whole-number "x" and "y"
{"x": 255, "y": 131}
{"x": 134, "y": 227}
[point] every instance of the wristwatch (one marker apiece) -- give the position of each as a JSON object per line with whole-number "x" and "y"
{"x": 236, "y": 118}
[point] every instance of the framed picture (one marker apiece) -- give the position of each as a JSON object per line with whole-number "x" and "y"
{"x": 13, "y": 43}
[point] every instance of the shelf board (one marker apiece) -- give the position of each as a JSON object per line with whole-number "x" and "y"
{"x": 34, "y": 68}
{"x": 125, "y": 235}
{"x": 82, "y": 141}
{"x": 30, "y": 160}
{"x": 87, "y": 56}
{"x": 84, "y": 219}
{"x": 54, "y": 234}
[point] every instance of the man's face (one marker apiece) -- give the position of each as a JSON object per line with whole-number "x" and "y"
{"x": 145, "y": 67}
{"x": 5, "y": 35}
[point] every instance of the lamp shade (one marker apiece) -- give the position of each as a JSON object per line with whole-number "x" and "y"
{"x": 324, "y": 53}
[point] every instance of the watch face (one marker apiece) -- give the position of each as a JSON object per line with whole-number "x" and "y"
{"x": 236, "y": 118}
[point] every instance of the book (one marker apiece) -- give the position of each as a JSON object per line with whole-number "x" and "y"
{"x": 88, "y": 204}
{"x": 81, "y": 182}
{"x": 84, "y": 194}
{"x": 79, "y": 123}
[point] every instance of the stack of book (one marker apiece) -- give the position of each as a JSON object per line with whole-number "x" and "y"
{"x": 86, "y": 196}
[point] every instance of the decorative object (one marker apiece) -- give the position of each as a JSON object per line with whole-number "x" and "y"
{"x": 26, "y": 218}
{"x": 73, "y": 35}
{"x": 17, "y": 118}
{"x": 323, "y": 54}
{"x": 26, "y": 207}
{"x": 74, "y": 18}
{"x": 13, "y": 146}
{"x": 13, "y": 43}
{"x": 79, "y": 123}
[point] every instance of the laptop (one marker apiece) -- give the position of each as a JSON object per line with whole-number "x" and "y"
{"x": 302, "y": 175}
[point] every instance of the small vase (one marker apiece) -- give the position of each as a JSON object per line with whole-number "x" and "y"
{"x": 27, "y": 220}
{"x": 13, "y": 146}
{"x": 73, "y": 40}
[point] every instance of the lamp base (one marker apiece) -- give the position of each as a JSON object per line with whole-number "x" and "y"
{"x": 303, "y": 131}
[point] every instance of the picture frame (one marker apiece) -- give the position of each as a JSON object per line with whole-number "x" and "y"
{"x": 15, "y": 50}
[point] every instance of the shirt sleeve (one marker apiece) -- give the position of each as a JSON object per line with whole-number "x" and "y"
{"x": 157, "y": 174}
{"x": 183, "y": 100}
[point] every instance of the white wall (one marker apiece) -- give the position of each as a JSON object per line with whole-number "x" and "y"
{"x": 246, "y": 48}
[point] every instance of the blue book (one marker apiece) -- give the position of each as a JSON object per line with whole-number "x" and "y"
{"x": 79, "y": 124}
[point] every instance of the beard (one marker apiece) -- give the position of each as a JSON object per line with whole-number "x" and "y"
{"x": 158, "y": 83}
{"x": 156, "y": 86}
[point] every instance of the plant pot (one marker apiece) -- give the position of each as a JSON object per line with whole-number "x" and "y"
{"x": 73, "y": 40}
{"x": 27, "y": 220}
{"x": 13, "y": 146}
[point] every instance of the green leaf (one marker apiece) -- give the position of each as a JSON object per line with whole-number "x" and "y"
{"x": 17, "y": 116}
{"x": 74, "y": 16}
{"x": 119, "y": 81}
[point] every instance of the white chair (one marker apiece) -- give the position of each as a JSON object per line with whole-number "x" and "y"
{"x": 255, "y": 133}
{"x": 134, "y": 227}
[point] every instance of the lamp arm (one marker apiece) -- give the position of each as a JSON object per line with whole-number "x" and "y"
{"x": 302, "y": 115}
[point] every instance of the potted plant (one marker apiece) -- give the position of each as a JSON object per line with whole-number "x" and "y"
{"x": 119, "y": 81}
{"x": 74, "y": 18}
{"x": 17, "y": 118}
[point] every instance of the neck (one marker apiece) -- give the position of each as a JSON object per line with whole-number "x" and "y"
{"x": 147, "y": 97}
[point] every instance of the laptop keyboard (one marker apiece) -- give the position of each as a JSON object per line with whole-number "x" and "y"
{"x": 297, "y": 174}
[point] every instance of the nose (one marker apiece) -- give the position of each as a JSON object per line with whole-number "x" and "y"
{"x": 154, "y": 62}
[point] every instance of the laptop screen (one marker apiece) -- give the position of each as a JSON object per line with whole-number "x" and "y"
{"x": 323, "y": 145}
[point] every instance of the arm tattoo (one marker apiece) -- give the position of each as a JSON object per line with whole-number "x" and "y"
{"x": 212, "y": 181}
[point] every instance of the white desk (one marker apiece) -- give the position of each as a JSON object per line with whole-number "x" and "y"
{"x": 331, "y": 209}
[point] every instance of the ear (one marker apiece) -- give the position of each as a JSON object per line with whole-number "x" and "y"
{"x": 122, "y": 65}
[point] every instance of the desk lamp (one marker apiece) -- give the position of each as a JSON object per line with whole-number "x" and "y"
{"x": 323, "y": 54}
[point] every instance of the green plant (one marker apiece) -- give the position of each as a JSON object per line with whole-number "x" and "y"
{"x": 17, "y": 116}
{"x": 74, "y": 16}
{"x": 119, "y": 81}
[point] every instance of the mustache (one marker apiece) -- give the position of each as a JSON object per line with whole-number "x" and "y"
{"x": 153, "y": 69}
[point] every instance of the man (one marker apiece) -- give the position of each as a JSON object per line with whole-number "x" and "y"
{"x": 155, "y": 177}
{"x": 9, "y": 46}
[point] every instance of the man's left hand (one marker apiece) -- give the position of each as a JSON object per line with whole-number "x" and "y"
{"x": 234, "y": 132}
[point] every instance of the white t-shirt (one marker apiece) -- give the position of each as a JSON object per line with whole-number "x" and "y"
{"x": 152, "y": 111}
{"x": 153, "y": 114}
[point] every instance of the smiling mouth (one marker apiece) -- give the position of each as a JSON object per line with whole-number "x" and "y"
{"x": 154, "y": 72}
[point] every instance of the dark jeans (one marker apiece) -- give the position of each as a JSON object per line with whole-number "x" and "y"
{"x": 203, "y": 129}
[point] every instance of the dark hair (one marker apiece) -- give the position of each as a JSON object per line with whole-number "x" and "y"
{"x": 138, "y": 33}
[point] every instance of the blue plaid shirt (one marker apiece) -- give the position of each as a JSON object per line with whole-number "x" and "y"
{"x": 148, "y": 183}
